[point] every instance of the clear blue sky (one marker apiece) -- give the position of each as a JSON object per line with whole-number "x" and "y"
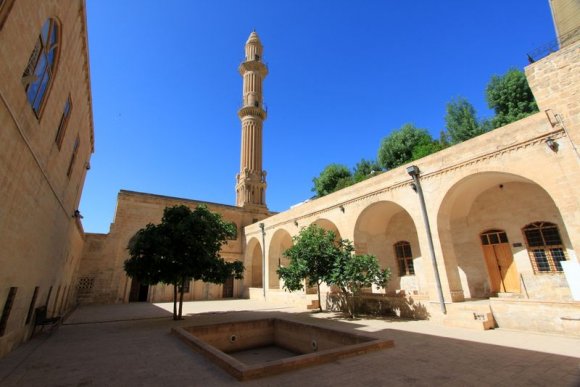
{"x": 343, "y": 75}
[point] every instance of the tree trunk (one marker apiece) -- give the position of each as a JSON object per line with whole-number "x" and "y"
{"x": 318, "y": 292}
{"x": 349, "y": 307}
{"x": 181, "y": 299}
{"x": 175, "y": 301}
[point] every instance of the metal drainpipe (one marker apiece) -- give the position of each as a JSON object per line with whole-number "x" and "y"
{"x": 263, "y": 260}
{"x": 414, "y": 172}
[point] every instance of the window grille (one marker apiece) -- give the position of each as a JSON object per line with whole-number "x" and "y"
{"x": 404, "y": 258}
{"x": 545, "y": 247}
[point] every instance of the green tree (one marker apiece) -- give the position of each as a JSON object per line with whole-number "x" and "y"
{"x": 351, "y": 273}
{"x": 461, "y": 121}
{"x": 332, "y": 178}
{"x": 426, "y": 149}
{"x": 365, "y": 169}
{"x": 144, "y": 246}
{"x": 319, "y": 257}
{"x": 397, "y": 148}
{"x": 510, "y": 97}
{"x": 311, "y": 258}
{"x": 184, "y": 246}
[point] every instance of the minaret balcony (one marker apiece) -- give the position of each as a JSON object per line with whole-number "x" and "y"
{"x": 253, "y": 65}
{"x": 261, "y": 110}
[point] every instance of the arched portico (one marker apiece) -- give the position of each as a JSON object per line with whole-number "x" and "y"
{"x": 379, "y": 230}
{"x": 328, "y": 225}
{"x": 280, "y": 242}
{"x": 254, "y": 263}
{"x": 480, "y": 225}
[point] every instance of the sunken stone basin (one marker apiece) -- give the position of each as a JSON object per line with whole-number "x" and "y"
{"x": 258, "y": 348}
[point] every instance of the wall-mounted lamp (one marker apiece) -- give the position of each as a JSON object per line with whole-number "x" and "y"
{"x": 414, "y": 187}
{"x": 87, "y": 165}
{"x": 77, "y": 214}
{"x": 552, "y": 144}
{"x": 341, "y": 208}
{"x": 413, "y": 170}
{"x": 296, "y": 223}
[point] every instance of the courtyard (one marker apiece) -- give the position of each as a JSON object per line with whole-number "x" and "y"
{"x": 131, "y": 345}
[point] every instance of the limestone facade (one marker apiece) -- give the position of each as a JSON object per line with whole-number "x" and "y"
{"x": 102, "y": 278}
{"x": 42, "y": 170}
{"x": 508, "y": 184}
{"x": 510, "y": 180}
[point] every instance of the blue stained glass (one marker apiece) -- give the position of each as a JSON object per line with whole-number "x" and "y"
{"x": 50, "y": 58}
{"x": 44, "y": 31}
{"x": 41, "y": 91}
{"x": 53, "y": 35}
{"x": 31, "y": 92}
{"x": 40, "y": 68}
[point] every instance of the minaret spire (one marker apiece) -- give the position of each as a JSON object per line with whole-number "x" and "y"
{"x": 251, "y": 181}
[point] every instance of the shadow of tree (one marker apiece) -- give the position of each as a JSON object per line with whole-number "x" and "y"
{"x": 370, "y": 304}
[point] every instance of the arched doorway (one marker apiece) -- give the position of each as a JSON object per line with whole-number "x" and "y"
{"x": 387, "y": 231}
{"x": 328, "y": 225}
{"x": 501, "y": 204}
{"x": 254, "y": 254}
{"x": 281, "y": 241}
{"x": 139, "y": 292}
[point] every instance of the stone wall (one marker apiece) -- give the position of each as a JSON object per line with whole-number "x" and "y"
{"x": 530, "y": 315}
{"x": 104, "y": 254}
{"x": 41, "y": 240}
{"x": 504, "y": 179}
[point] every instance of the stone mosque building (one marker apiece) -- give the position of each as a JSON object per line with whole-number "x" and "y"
{"x": 485, "y": 232}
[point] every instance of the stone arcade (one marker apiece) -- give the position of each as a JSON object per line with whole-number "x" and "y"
{"x": 503, "y": 208}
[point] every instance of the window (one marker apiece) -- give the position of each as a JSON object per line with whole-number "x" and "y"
{"x": 545, "y": 247}
{"x": 7, "y": 308}
{"x": 73, "y": 156}
{"x": 404, "y": 258}
{"x": 493, "y": 237}
{"x": 32, "y": 305}
{"x": 63, "y": 123}
{"x": 39, "y": 72}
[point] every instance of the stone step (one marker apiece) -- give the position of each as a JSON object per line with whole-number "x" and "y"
{"x": 314, "y": 304}
{"x": 509, "y": 295}
{"x": 473, "y": 320}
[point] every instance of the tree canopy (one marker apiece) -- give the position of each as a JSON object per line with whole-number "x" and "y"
{"x": 184, "y": 246}
{"x": 351, "y": 273}
{"x": 311, "y": 257}
{"x": 510, "y": 97}
{"x": 397, "y": 148}
{"x": 365, "y": 169}
{"x": 461, "y": 121}
{"x": 332, "y": 178}
{"x": 318, "y": 257}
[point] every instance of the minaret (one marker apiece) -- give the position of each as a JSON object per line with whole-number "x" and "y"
{"x": 251, "y": 181}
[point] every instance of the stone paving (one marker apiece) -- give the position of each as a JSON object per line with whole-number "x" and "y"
{"x": 131, "y": 345}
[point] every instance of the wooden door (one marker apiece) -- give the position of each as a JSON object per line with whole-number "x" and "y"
{"x": 509, "y": 273}
{"x": 139, "y": 292}
{"x": 503, "y": 275}
{"x": 228, "y": 290}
